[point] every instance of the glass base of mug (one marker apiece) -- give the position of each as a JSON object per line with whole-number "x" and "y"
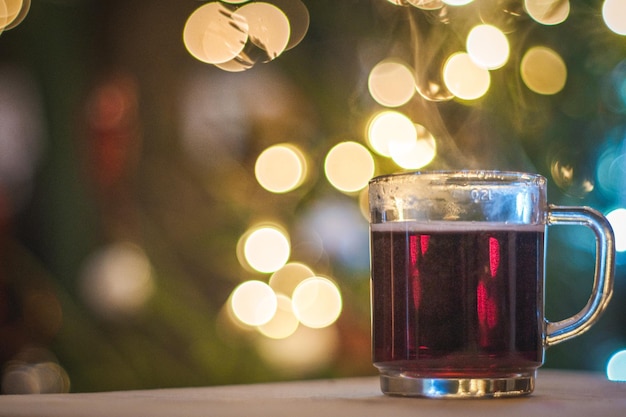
{"x": 403, "y": 384}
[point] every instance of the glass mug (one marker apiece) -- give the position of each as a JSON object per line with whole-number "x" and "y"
{"x": 457, "y": 278}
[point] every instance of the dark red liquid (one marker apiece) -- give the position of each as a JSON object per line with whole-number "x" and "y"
{"x": 457, "y": 302}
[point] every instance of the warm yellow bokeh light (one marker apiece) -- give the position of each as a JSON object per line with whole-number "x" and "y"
{"x": 317, "y": 302}
{"x": 280, "y": 168}
{"x": 215, "y": 34}
{"x": 287, "y": 278}
{"x": 488, "y": 46}
{"x": 457, "y": 2}
{"x": 349, "y": 166}
{"x": 12, "y": 13}
{"x": 416, "y": 154}
{"x": 464, "y": 78}
{"x": 614, "y": 15}
{"x": 253, "y": 303}
{"x": 543, "y": 70}
{"x": 391, "y": 83}
{"x": 268, "y": 27}
{"x": 420, "y": 4}
{"x": 388, "y": 126}
{"x": 307, "y": 350}
{"x": 117, "y": 280}
{"x": 284, "y": 322}
{"x": 266, "y": 248}
{"x": 548, "y": 12}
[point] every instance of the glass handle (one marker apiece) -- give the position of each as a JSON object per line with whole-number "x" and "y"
{"x": 603, "y": 280}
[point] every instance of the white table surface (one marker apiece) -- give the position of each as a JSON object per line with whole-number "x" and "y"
{"x": 557, "y": 393}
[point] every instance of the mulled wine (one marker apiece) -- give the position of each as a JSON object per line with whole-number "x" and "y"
{"x": 457, "y": 299}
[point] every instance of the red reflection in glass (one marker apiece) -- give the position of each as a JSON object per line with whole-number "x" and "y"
{"x": 416, "y": 289}
{"x": 424, "y": 239}
{"x": 494, "y": 256}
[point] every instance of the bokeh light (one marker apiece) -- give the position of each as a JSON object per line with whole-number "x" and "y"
{"x": 349, "y": 166}
{"x": 304, "y": 351}
{"x": 22, "y": 141}
{"x": 254, "y": 303}
{"x": 342, "y": 231}
{"x": 426, "y": 4}
{"x": 617, "y": 218}
{"x": 287, "y": 278}
{"x": 391, "y": 83}
{"x": 457, "y": 2}
{"x": 611, "y": 170}
{"x": 265, "y": 248}
{"x": 268, "y": 28}
{"x": 299, "y": 19}
{"x": 281, "y": 168}
{"x": 543, "y": 70}
{"x": 34, "y": 370}
{"x": 614, "y": 15}
{"x": 570, "y": 174}
{"x": 317, "y": 302}
{"x": 548, "y": 12}
{"x": 417, "y": 153}
{"x": 117, "y": 281}
{"x": 488, "y": 46}
{"x": 389, "y": 126}
{"x": 12, "y": 13}
{"x": 237, "y": 34}
{"x": 616, "y": 367}
{"x": 214, "y": 33}
{"x": 464, "y": 78}
{"x": 283, "y": 323}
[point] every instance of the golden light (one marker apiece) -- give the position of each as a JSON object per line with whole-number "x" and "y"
{"x": 614, "y": 15}
{"x": 287, "y": 278}
{"x": 299, "y": 19}
{"x": 284, "y": 322}
{"x": 317, "y": 302}
{"x": 488, "y": 46}
{"x": 543, "y": 70}
{"x": 464, "y": 78}
{"x": 457, "y": 2}
{"x": 253, "y": 303}
{"x": 391, "y": 83}
{"x": 349, "y": 166}
{"x": 548, "y": 12}
{"x": 417, "y": 153}
{"x": 266, "y": 248}
{"x": 268, "y": 27}
{"x": 12, "y": 13}
{"x": 426, "y": 4}
{"x": 304, "y": 351}
{"x": 117, "y": 280}
{"x": 215, "y": 34}
{"x": 281, "y": 168}
{"x": 388, "y": 126}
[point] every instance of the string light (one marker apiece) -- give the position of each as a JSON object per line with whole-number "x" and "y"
{"x": 235, "y": 35}
{"x": 349, "y": 166}
{"x": 614, "y": 15}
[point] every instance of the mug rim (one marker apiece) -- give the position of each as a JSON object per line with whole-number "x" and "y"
{"x": 503, "y": 176}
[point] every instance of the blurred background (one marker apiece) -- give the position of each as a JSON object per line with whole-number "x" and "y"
{"x": 182, "y": 182}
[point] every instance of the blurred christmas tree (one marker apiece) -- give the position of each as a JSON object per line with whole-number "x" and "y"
{"x": 160, "y": 183}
